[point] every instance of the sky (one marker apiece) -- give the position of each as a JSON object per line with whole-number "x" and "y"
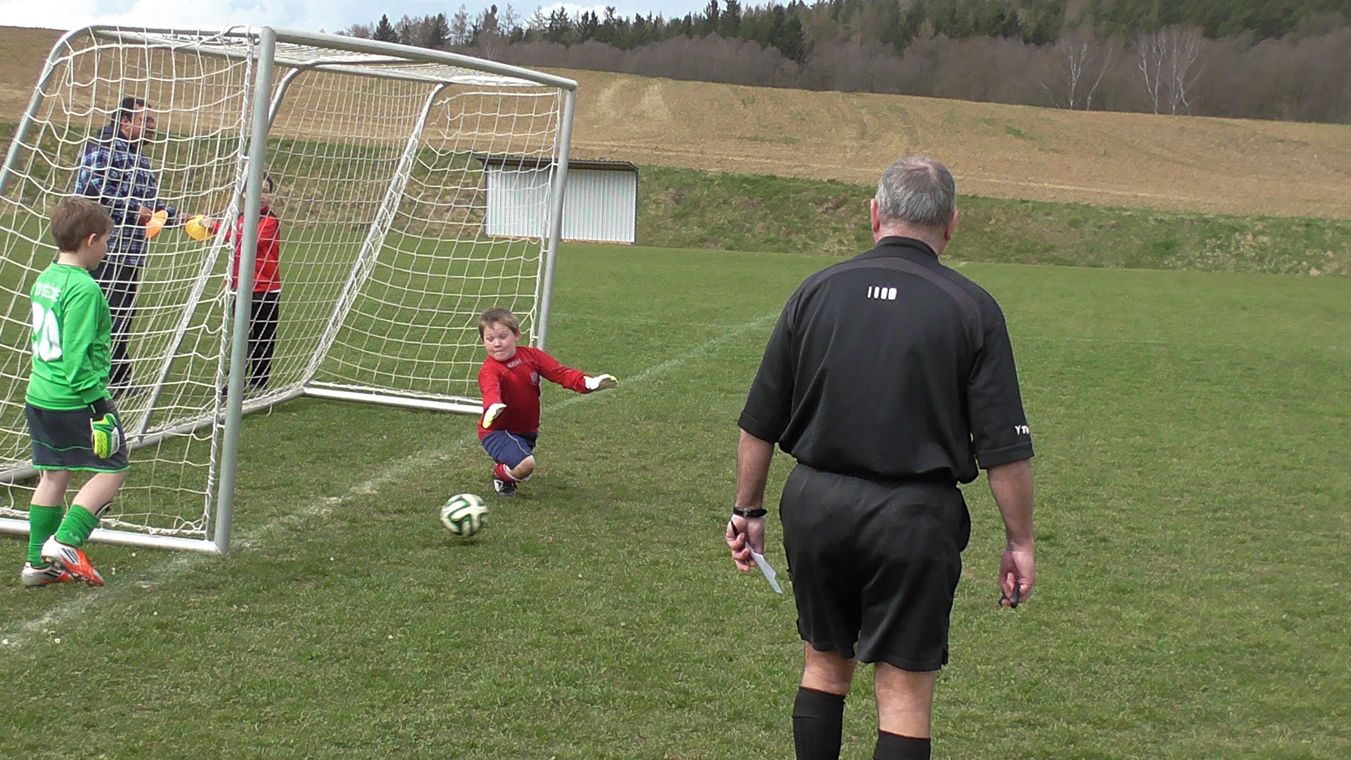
{"x": 304, "y": 15}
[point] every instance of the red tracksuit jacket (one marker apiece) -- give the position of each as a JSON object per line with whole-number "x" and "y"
{"x": 515, "y": 383}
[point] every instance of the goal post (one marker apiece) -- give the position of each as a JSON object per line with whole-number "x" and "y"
{"x": 369, "y": 157}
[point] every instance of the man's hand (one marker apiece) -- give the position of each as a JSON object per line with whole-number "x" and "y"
{"x": 1017, "y": 574}
{"x": 601, "y": 382}
{"x": 105, "y": 435}
{"x": 1011, "y": 486}
{"x": 743, "y": 535}
{"x": 491, "y": 414}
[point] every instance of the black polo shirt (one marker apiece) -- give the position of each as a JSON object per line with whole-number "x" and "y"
{"x": 891, "y": 366}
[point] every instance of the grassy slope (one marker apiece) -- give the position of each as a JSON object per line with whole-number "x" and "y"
{"x": 1107, "y": 159}
{"x": 688, "y": 208}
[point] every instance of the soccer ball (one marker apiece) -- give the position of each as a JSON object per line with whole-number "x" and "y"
{"x": 464, "y": 514}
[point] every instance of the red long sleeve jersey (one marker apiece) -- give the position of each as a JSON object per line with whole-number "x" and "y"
{"x": 515, "y": 382}
{"x": 266, "y": 267}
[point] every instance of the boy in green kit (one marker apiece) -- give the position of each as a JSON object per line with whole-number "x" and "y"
{"x": 71, "y": 417}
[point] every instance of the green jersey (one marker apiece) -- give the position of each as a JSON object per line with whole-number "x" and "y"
{"x": 71, "y": 341}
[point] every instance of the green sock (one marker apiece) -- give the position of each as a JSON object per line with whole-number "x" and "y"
{"x": 77, "y": 526}
{"x": 42, "y": 523}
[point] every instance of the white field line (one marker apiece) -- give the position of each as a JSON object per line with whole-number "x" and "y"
{"x": 48, "y": 624}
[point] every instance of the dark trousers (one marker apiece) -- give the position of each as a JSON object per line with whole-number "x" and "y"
{"x": 119, "y": 281}
{"x": 264, "y": 313}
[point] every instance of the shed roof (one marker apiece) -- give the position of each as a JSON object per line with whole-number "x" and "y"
{"x": 535, "y": 162}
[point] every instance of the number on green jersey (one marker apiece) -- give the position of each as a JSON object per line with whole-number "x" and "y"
{"x": 46, "y": 334}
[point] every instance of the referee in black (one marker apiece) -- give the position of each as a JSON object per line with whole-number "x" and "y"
{"x": 890, "y": 379}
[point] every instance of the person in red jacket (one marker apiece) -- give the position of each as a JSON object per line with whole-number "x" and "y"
{"x": 265, "y": 312}
{"x": 509, "y": 383}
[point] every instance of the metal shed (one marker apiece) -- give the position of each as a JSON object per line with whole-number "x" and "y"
{"x": 600, "y": 203}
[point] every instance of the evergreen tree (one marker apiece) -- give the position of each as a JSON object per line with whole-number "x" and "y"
{"x": 709, "y": 23}
{"x": 587, "y": 24}
{"x": 729, "y": 24}
{"x": 384, "y": 31}
{"x": 788, "y": 38}
{"x": 436, "y": 33}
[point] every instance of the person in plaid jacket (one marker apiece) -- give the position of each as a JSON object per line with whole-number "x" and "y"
{"x": 114, "y": 172}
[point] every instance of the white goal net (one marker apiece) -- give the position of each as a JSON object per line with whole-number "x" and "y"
{"x": 371, "y": 158}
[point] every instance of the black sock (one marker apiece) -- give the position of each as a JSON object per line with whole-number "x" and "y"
{"x": 818, "y": 720}
{"x": 897, "y": 747}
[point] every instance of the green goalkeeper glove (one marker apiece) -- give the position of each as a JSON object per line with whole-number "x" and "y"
{"x": 491, "y": 413}
{"x": 105, "y": 435}
{"x": 601, "y": 382}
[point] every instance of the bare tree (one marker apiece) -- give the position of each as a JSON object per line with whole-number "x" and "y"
{"x": 459, "y": 27}
{"x": 1149, "y": 48}
{"x": 360, "y": 31}
{"x": 1168, "y": 67}
{"x": 409, "y": 29}
{"x": 1185, "y": 48}
{"x": 1080, "y": 63}
{"x": 486, "y": 33}
{"x": 991, "y": 69}
{"x": 511, "y": 22}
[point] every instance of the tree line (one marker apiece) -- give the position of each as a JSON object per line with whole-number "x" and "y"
{"x": 1270, "y": 59}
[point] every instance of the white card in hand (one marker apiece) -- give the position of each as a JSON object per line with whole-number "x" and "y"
{"x": 770, "y": 575}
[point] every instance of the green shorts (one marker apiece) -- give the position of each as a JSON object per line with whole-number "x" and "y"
{"x": 61, "y": 439}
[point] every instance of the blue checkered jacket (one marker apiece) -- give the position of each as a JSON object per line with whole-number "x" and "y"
{"x": 114, "y": 173}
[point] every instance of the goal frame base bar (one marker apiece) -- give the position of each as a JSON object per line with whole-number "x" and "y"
{"x": 126, "y": 538}
{"x": 19, "y": 527}
{"x": 458, "y": 405}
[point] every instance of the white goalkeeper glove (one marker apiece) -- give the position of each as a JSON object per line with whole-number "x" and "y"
{"x": 601, "y": 382}
{"x": 491, "y": 414}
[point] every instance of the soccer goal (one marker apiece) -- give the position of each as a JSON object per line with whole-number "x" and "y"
{"x": 375, "y": 154}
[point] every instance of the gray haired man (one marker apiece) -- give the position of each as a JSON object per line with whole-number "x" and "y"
{"x": 890, "y": 379}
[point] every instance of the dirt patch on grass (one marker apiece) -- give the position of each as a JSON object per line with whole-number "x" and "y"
{"x": 1226, "y": 166}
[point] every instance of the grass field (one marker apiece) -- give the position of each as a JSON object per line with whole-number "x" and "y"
{"x": 1192, "y": 524}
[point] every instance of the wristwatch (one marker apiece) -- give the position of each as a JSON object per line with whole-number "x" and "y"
{"x": 750, "y": 514}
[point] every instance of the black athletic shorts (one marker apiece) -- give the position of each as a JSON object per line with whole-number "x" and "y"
{"x": 61, "y": 439}
{"x": 874, "y": 564}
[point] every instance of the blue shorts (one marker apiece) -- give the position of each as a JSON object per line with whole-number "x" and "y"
{"x": 509, "y": 448}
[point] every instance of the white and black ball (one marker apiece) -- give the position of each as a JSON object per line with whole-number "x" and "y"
{"x": 464, "y": 515}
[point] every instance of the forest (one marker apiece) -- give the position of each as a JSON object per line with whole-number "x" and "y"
{"x": 1267, "y": 59}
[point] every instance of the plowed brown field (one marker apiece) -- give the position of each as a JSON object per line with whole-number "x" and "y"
{"x": 1181, "y": 163}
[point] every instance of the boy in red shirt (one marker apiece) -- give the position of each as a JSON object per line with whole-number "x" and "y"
{"x": 265, "y": 309}
{"x": 509, "y": 383}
